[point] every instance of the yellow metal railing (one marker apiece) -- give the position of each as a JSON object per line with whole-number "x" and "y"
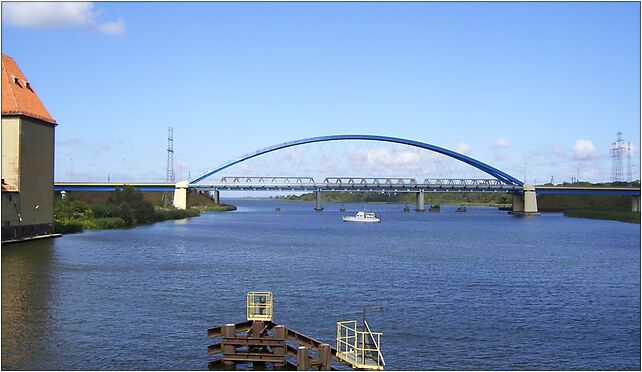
{"x": 354, "y": 346}
{"x": 259, "y": 306}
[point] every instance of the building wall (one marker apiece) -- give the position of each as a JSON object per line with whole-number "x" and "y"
{"x": 33, "y": 175}
{"x": 10, "y": 150}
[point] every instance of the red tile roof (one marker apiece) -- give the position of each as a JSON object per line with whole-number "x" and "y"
{"x": 18, "y": 96}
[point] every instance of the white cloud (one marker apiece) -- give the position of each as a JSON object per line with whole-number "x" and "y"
{"x": 559, "y": 151}
{"x": 383, "y": 157}
{"x": 584, "y": 149}
{"x": 501, "y": 156}
{"x": 58, "y": 14}
{"x": 116, "y": 27}
{"x": 501, "y": 143}
{"x": 463, "y": 148}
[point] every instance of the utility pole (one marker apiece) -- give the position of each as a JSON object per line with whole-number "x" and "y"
{"x": 629, "y": 170}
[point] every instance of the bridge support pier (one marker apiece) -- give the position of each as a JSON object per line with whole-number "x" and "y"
{"x": 419, "y": 207}
{"x": 525, "y": 204}
{"x": 635, "y": 204}
{"x": 216, "y": 195}
{"x": 180, "y": 195}
{"x": 318, "y": 206}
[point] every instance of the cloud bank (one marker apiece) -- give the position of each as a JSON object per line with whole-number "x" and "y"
{"x": 58, "y": 14}
{"x": 501, "y": 143}
{"x": 584, "y": 149}
{"x": 463, "y": 148}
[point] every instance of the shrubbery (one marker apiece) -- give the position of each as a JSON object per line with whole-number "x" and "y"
{"x": 127, "y": 205}
{"x": 174, "y": 214}
{"x": 123, "y": 208}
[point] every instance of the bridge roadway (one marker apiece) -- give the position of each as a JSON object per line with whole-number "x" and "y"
{"x": 347, "y": 184}
{"x": 354, "y": 184}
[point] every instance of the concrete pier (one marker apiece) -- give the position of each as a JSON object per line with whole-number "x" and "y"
{"x": 420, "y": 202}
{"x": 526, "y": 203}
{"x": 635, "y": 204}
{"x": 318, "y": 206}
{"x": 216, "y": 195}
{"x": 180, "y": 195}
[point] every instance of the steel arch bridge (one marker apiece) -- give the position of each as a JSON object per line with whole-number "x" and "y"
{"x": 524, "y": 196}
{"x": 494, "y": 172}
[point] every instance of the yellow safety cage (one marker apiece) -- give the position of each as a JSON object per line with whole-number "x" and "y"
{"x": 259, "y": 306}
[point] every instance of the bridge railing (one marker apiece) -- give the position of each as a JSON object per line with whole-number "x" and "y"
{"x": 364, "y": 182}
{"x": 465, "y": 183}
{"x": 268, "y": 180}
{"x": 370, "y": 181}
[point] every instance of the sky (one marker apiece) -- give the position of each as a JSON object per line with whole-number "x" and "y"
{"x": 537, "y": 90}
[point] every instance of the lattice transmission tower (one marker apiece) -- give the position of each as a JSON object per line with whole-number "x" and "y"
{"x": 617, "y": 150}
{"x": 171, "y": 177}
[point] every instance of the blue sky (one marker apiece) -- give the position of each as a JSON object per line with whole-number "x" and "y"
{"x": 530, "y": 88}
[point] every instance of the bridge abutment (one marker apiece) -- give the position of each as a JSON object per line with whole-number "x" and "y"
{"x": 635, "y": 204}
{"x": 180, "y": 195}
{"x": 318, "y": 206}
{"x": 419, "y": 203}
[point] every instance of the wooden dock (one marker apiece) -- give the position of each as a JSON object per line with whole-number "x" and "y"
{"x": 260, "y": 342}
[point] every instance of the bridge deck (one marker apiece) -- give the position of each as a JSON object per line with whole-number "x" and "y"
{"x": 363, "y": 185}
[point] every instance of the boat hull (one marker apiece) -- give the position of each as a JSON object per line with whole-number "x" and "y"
{"x": 361, "y": 220}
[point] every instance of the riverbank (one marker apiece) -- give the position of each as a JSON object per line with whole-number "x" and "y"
{"x": 623, "y": 216}
{"x": 215, "y": 208}
{"x": 123, "y": 209}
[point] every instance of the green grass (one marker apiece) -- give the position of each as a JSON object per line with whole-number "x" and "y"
{"x": 215, "y": 208}
{"x": 163, "y": 214}
{"x": 624, "y": 216}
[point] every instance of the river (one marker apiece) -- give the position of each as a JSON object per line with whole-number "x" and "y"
{"x": 475, "y": 290}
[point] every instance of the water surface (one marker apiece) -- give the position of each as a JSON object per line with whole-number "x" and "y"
{"x": 461, "y": 291}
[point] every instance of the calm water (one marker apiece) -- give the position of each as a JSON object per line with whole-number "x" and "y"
{"x": 474, "y": 290}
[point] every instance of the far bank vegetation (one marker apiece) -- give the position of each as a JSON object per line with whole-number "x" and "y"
{"x": 124, "y": 208}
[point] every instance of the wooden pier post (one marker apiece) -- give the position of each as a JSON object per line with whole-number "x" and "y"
{"x": 324, "y": 356}
{"x": 302, "y": 359}
{"x": 280, "y": 333}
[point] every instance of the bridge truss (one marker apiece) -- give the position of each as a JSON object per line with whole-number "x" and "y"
{"x": 356, "y": 184}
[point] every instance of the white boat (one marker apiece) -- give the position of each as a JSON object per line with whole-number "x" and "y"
{"x": 362, "y": 216}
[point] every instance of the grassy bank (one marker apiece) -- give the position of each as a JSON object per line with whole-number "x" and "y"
{"x": 119, "y": 209}
{"x": 624, "y": 216}
{"x": 215, "y": 208}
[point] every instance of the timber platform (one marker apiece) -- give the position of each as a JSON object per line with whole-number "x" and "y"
{"x": 264, "y": 343}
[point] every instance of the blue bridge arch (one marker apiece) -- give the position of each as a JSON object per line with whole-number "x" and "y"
{"x": 496, "y": 173}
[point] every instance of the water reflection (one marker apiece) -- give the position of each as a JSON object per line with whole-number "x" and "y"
{"x": 26, "y": 302}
